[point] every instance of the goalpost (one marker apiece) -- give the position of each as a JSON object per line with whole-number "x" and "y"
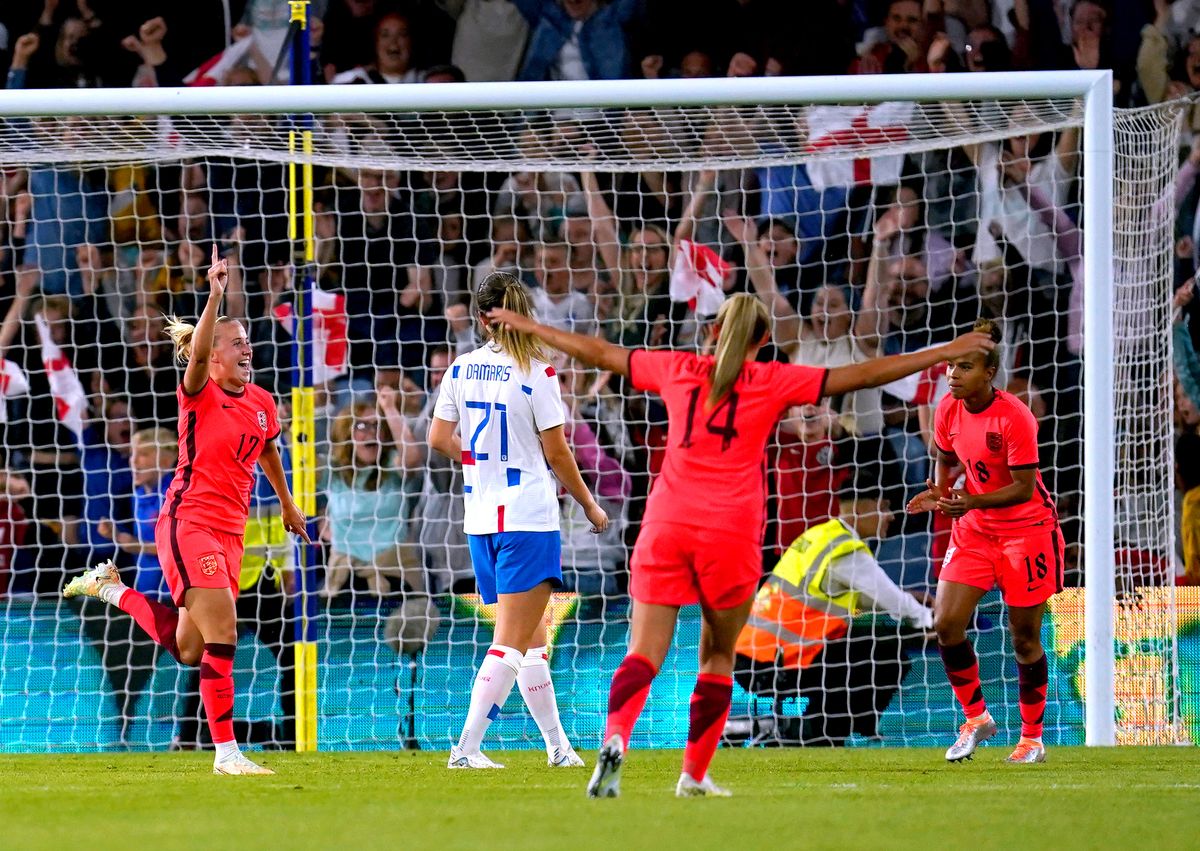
{"x": 439, "y": 160}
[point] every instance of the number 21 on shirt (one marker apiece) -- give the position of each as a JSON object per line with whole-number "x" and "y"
{"x": 502, "y": 416}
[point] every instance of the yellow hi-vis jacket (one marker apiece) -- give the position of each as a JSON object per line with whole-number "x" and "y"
{"x": 795, "y": 613}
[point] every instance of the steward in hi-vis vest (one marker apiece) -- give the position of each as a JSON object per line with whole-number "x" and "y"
{"x": 799, "y": 641}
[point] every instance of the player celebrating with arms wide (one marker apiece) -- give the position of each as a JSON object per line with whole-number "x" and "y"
{"x": 701, "y": 538}
{"x": 1005, "y": 533}
{"x": 226, "y": 424}
{"x": 503, "y": 399}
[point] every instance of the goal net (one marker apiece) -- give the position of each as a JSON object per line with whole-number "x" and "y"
{"x": 866, "y": 228}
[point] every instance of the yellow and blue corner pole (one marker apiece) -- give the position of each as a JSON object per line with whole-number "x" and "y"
{"x": 304, "y": 459}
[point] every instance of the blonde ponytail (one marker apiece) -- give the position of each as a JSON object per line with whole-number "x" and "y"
{"x": 742, "y": 322}
{"x": 501, "y": 289}
{"x": 181, "y": 334}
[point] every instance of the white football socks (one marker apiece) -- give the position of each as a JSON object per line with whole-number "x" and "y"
{"x": 111, "y": 593}
{"x": 538, "y": 690}
{"x": 493, "y": 683}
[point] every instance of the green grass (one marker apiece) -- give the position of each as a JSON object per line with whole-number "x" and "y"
{"x": 847, "y": 799}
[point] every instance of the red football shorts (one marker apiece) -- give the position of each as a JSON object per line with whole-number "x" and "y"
{"x": 195, "y": 556}
{"x": 1028, "y": 568}
{"x": 675, "y": 565}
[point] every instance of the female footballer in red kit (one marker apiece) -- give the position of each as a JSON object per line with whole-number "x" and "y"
{"x": 701, "y": 537}
{"x": 1005, "y": 533}
{"x": 226, "y": 425}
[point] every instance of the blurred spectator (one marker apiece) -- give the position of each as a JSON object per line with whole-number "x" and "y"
{"x": 439, "y": 512}
{"x": 70, "y": 53}
{"x": 152, "y": 463}
{"x": 808, "y": 476}
{"x": 1187, "y": 481}
{"x": 394, "y": 60}
{"x": 903, "y": 43}
{"x": 107, "y": 479}
{"x": 577, "y": 39}
{"x": 387, "y": 287}
{"x": 592, "y": 561}
{"x": 489, "y": 38}
{"x": 374, "y": 454}
{"x": 555, "y": 300}
{"x": 349, "y": 32}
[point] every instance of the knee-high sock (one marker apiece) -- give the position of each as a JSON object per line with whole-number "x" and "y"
{"x": 962, "y": 669}
{"x": 538, "y": 690}
{"x": 216, "y": 690}
{"x": 1032, "y": 679}
{"x": 706, "y": 721}
{"x": 493, "y": 683}
{"x": 627, "y": 695}
{"x": 157, "y": 620}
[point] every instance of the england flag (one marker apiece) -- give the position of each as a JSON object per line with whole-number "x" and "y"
{"x": 856, "y": 130}
{"x": 330, "y": 347}
{"x": 70, "y": 401}
{"x": 698, "y": 276}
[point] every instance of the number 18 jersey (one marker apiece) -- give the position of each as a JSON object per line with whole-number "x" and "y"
{"x": 500, "y": 411}
{"x": 991, "y": 444}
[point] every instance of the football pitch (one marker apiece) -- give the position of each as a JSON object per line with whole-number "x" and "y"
{"x": 847, "y": 799}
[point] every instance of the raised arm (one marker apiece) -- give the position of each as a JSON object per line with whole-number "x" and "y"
{"x": 594, "y": 351}
{"x": 411, "y": 456}
{"x": 705, "y": 181}
{"x": 604, "y": 223}
{"x": 789, "y": 327}
{"x": 196, "y": 373}
{"x": 27, "y": 281}
{"x": 869, "y": 325}
{"x": 879, "y": 371}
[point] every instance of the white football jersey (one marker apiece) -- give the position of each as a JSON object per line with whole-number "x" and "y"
{"x": 500, "y": 411}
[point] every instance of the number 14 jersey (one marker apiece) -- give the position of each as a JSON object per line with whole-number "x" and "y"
{"x": 501, "y": 411}
{"x": 713, "y": 474}
{"x": 991, "y": 444}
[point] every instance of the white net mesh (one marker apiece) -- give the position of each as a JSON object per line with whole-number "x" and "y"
{"x": 866, "y": 229}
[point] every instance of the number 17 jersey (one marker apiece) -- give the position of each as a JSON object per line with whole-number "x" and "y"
{"x": 501, "y": 411}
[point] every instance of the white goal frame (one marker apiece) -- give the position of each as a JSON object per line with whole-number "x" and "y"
{"x": 1093, "y": 87}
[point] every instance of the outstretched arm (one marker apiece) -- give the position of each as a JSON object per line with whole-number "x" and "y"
{"x": 879, "y": 371}
{"x": 594, "y": 351}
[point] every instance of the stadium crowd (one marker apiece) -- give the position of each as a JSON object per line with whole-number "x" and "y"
{"x": 882, "y": 255}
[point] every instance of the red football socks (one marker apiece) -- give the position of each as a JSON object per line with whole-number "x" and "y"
{"x": 1032, "y": 680}
{"x": 216, "y": 690}
{"x": 706, "y": 721}
{"x": 157, "y": 620}
{"x": 627, "y": 695}
{"x": 962, "y": 669}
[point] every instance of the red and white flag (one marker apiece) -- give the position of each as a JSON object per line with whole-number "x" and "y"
{"x": 331, "y": 349}
{"x": 13, "y": 382}
{"x": 856, "y": 129}
{"x": 212, "y": 72}
{"x": 70, "y": 401}
{"x": 922, "y": 388}
{"x": 697, "y": 277}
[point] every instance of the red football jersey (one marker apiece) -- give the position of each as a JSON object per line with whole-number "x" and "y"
{"x": 221, "y": 435}
{"x": 990, "y": 444}
{"x": 712, "y": 474}
{"x": 808, "y": 484}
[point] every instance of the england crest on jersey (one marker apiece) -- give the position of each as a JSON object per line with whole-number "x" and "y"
{"x": 262, "y": 420}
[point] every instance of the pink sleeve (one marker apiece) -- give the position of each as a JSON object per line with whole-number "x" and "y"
{"x": 274, "y": 429}
{"x": 1022, "y": 437}
{"x": 801, "y": 385}
{"x": 650, "y": 370}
